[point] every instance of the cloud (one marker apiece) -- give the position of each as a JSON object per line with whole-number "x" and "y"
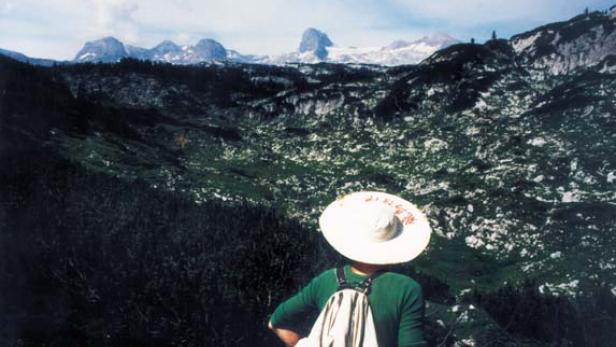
{"x": 265, "y": 26}
{"x": 115, "y": 18}
{"x": 5, "y": 7}
{"x": 468, "y": 14}
{"x": 465, "y": 12}
{"x": 270, "y": 26}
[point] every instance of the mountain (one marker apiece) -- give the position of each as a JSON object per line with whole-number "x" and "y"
{"x": 559, "y": 48}
{"x": 138, "y": 52}
{"x": 237, "y": 57}
{"x": 209, "y": 49}
{"x": 397, "y": 53}
{"x": 316, "y": 47}
{"x": 106, "y": 50}
{"x": 587, "y": 39}
{"x": 315, "y": 42}
{"x": 24, "y": 58}
{"x": 110, "y": 49}
{"x": 165, "y": 51}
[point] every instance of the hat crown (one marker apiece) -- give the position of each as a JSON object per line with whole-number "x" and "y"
{"x": 379, "y": 221}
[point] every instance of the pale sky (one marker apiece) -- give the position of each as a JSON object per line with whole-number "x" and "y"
{"x": 57, "y": 29}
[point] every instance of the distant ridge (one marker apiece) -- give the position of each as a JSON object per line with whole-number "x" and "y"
{"x": 315, "y": 46}
{"x": 24, "y": 58}
{"x": 585, "y": 40}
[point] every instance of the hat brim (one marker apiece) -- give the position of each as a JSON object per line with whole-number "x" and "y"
{"x": 405, "y": 246}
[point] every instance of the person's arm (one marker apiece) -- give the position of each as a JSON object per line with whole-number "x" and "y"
{"x": 411, "y": 331}
{"x": 288, "y": 337}
{"x": 287, "y": 314}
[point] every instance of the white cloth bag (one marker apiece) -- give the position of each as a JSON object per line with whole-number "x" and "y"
{"x": 345, "y": 321}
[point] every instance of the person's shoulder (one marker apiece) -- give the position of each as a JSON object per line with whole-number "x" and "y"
{"x": 328, "y": 272}
{"x": 402, "y": 280}
{"x": 325, "y": 275}
{"x": 410, "y": 291}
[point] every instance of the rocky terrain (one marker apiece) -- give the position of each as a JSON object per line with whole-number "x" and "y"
{"x": 508, "y": 146}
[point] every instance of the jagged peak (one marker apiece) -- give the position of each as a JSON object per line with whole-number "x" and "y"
{"x": 207, "y": 41}
{"x": 107, "y": 39}
{"x": 211, "y": 49}
{"x": 107, "y": 48}
{"x": 166, "y": 43}
{"x": 313, "y": 39}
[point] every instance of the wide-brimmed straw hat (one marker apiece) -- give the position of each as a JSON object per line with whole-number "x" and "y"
{"x": 375, "y": 228}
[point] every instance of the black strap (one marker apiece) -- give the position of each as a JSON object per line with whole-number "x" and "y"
{"x": 341, "y": 277}
{"x": 363, "y": 286}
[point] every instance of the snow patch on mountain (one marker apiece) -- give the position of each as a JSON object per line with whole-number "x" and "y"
{"x": 522, "y": 43}
{"x": 397, "y": 53}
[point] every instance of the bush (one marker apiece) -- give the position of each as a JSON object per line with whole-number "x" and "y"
{"x": 523, "y": 311}
{"x": 91, "y": 260}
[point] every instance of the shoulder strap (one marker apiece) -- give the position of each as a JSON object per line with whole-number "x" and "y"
{"x": 363, "y": 286}
{"x": 342, "y": 282}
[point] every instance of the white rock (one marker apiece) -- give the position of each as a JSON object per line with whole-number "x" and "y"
{"x": 570, "y": 197}
{"x": 538, "y": 179}
{"x": 473, "y": 241}
{"x": 469, "y": 342}
{"x": 537, "y": 141}
{"x": 556, "y": 255}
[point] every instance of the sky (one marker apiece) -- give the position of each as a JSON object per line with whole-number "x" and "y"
{"x": 57, "y": 29}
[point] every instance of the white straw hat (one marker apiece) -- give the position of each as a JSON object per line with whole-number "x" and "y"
{"x": 375, "y": 228}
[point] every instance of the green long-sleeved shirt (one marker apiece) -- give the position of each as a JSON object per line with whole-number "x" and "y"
{"x": 396, "y": 301}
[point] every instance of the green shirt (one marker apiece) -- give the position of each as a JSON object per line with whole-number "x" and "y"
{"x": 396, "y": 301}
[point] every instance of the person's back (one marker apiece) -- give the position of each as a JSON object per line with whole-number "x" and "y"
{"x": 396, "y": 301}
{"x": 373, "y": 230}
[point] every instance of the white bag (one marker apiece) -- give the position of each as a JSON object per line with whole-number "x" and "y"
{"x": 346, "y": 320}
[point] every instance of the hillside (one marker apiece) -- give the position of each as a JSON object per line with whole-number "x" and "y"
{"x": 511, "y": 160}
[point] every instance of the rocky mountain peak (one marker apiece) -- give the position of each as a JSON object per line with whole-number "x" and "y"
{"x": 315, "y": 41}
{"x": 166, "y": 46}
{"x": 107, "y": 49}
{"x": 166, "y": 50}
{"x": 210, "y": 49}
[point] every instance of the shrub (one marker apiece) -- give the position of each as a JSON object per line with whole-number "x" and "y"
{"x": 92, "y": 260}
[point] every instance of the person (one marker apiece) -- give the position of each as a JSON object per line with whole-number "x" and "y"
{"x": 374, "y": 231}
